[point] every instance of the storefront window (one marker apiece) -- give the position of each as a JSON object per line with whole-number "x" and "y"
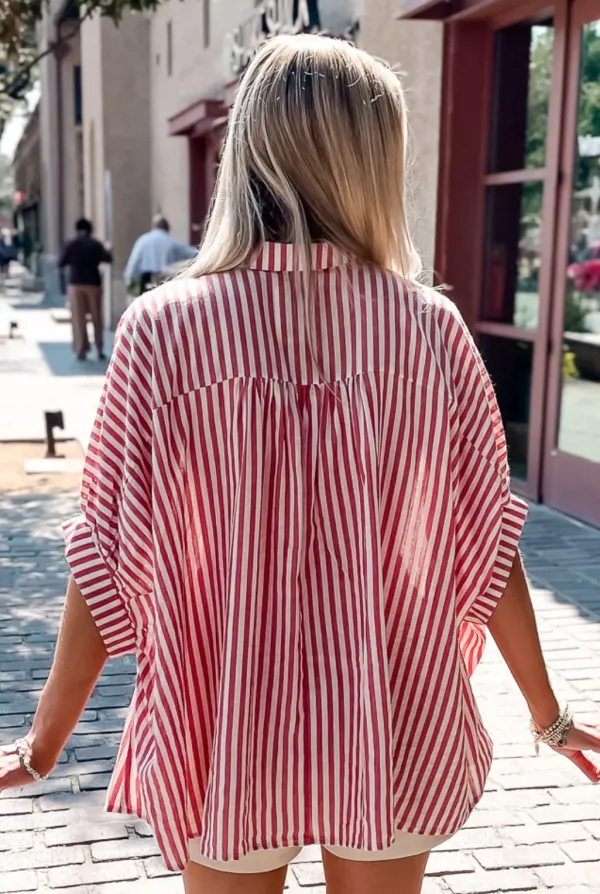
{"x": 512, "y": 254}
{"x": 579, "y": 424}
{"x": 509, "y": 363}
{"x": 521, "y": 96}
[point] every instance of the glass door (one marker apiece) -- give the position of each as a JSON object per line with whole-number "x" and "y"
{"x": 571, "y": 477}
{"x": 516, "y": 275}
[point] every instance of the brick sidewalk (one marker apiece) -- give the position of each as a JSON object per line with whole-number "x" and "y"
{"x": 537, "y": 828}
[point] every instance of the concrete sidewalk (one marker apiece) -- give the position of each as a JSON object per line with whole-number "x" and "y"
{"x": 39, "y": 372}
{"x": 537, "y": 828}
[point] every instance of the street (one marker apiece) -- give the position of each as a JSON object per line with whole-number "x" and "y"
{"x": 537, "y": 828}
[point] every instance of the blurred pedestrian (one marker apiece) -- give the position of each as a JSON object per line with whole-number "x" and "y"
{"x": 83, "y": 255}
{"x": 8, "y": 252}
{"x": 154, "y": 253}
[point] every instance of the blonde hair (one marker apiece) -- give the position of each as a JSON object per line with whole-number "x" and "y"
{"x": 315, "y": 151}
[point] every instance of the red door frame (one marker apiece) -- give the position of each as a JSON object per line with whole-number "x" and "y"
{"x": 204, "y": 156}
{"x": 570, "y": 483}
{"x": 466, "y": 105}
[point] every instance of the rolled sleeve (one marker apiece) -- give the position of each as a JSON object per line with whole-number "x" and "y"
{"x": 109, "y": 547}
{"x": 513, "y": 518}
{"x": 95, "y": 581}
{"x": 488, "y": 518}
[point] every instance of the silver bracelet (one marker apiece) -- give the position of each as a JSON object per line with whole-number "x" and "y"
{"x": 556, "y": 734}
{"x": 23, "y": 750}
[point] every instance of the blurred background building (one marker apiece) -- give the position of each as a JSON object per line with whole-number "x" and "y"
{"x": 504, "y": 178}
{"x": 132, "y": 118}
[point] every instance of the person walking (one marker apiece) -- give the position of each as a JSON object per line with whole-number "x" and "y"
{"x": 154, "y": 253}
{"x": 83, "y": 255}
{"x": 296, "y": 512}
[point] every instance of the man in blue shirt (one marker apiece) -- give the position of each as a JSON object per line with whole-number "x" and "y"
{"x": 153, "y": 253}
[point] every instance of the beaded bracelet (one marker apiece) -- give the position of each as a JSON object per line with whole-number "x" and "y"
{"x": 557, "y": 734}
{"x": 24, "y": 752}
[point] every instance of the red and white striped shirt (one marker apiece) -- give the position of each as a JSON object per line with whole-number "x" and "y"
{"x": 302, "y": 556}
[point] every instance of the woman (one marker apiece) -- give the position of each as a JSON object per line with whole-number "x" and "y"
{"x": 296, "y": 513}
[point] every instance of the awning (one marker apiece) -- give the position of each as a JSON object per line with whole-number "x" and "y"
{"x": 197, "y": 119}
{"x": 427, "y": 9}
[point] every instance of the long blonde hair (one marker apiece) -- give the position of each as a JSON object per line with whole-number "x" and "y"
{"x": 315, "y": 151}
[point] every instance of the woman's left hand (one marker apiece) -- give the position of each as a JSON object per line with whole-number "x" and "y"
{"x": 583, "y": 737}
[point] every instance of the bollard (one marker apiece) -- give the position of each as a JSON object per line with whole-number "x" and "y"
{"x": 12, "y": 328}
{"x": 54, "y": 419}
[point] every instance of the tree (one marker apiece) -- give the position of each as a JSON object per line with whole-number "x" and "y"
{"x": 538, "y": 95}
{"x": 19, "y": 53}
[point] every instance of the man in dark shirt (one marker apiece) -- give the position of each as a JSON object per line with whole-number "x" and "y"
{"x": 83, "y": 256}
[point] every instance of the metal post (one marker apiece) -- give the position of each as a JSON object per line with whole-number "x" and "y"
{"x": 54, "y": 419}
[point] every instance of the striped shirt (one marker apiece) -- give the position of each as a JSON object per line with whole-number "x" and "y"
{"x": 301, "y": 540}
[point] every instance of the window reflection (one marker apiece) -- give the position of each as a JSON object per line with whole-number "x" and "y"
{"x": 521, "y": 96}
{"x": 512, "y": 254}
{"x": 509, "y": 363}
{"x": 579, "y": 425}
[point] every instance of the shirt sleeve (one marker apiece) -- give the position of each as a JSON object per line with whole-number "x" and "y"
{"x": 132, "y": 269}
{"x": 182, "y": 252}
{"x": 488, "y": 517}
{"x": 109, "y": 545}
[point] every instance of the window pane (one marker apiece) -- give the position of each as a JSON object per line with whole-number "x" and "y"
{"x": 512, "y": 254}
{"x": 509, "y": 364}
{"x": 579, "y": 426}
{"x": 520, "y": 97}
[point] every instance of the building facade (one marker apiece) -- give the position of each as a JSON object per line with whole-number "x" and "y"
{"x": 28, "y": 191}
{"x": 116, "y": 141}
{"x": 132, "y": 118}
{"x": 518, "y": 234}
{"x": 60, "y": 133}
{"x": 415, "y": 50}
{"x": 94, "y": 138}
{"x": 198, "y": 51}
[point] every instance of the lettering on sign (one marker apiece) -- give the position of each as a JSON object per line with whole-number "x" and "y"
{"x": 271, "y": 18}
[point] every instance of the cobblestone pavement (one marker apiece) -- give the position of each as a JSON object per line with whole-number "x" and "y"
{"x": 537, "y": 828}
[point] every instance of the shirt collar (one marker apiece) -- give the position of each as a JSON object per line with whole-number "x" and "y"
{"x": 285, "y": 256}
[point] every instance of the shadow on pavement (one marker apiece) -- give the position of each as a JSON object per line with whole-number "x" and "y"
{"x": 62, "y": 362}
{"x": 562, "y": 555}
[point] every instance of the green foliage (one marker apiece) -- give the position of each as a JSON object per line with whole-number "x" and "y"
{"x": 576, "y": 311}
{"x": 540, "y": 74}
{"x": 19, "y": 17}
{"x": 19, "y": 53}
{"x": 589, "y": 102}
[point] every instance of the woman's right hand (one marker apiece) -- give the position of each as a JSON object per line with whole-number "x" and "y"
{"x": 582, "y": 737}
{"x": 12, "y": 772}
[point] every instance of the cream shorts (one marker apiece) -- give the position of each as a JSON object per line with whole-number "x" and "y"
{"x": 405, "y": 845}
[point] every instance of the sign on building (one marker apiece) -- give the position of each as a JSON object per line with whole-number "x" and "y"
{"x": 269, "y": 19}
